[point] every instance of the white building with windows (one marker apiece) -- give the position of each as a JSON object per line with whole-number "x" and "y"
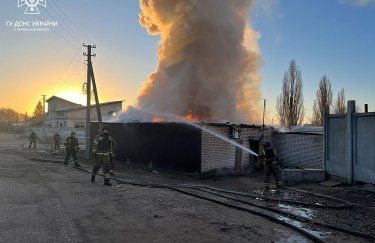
{"x": 64, "y": 114}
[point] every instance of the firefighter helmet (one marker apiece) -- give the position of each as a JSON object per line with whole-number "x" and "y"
{"x": 267, "y": 144}
{"x": 106, "y": 128}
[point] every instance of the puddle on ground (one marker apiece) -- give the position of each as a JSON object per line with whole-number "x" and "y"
{"x": 293, "y": 239}
{"x": 291, "y": 196}
{"x": 301, "y": 226}
{"x": 304, "y": 212}
{"x": 267, "y": 193}
{"x": 260, "y": 192}
{"x": 279, "y": 195}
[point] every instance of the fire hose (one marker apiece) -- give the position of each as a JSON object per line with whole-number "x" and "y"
{"x": 207, "y": 189}
{"x": 177, "y": 187}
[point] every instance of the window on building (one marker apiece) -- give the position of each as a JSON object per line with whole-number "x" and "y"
{"x": 64, "y": 123}
{"x": 112, "y": 113}
{"x": 79, "y": 124}
{"x": 60, "y": 113}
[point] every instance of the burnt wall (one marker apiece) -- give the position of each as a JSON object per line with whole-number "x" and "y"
{"x": 174, "y": 146}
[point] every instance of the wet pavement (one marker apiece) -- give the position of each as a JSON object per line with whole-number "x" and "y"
{"x": 47, "y": 202}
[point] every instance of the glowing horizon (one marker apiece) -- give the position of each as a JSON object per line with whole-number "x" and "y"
{"x": 50, "y": 63}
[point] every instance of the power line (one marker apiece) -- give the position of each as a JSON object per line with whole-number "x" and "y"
{"x": 63, "y": 20}
{"x": 71, "y": 22}
{"x": 73, "y": 71}
{"x": 60, "y": 85}
{"x": 57, "y": 6}
{"x": 66, "y": 81}
{"x": 67, "y": 67}
{"x": 59, "y": 35}
{"x": 62, "y": 26}
{"x": 77, "y": 72}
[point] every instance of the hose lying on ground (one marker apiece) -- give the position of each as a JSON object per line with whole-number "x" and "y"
{"x": 173, "y": 187}
{"x": 274, "y": 219}
{"x": 299, "y": 217}
{"x": 202, "y": 188}
{"x": 346, "y": 204}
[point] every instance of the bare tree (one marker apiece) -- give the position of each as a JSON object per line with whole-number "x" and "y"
{"x": 290, "y": 102}
{"x": 358, "y": 108}
{"x": 322, "y": 102}
{"x": 340, "y": 105}
{"x": 8, "y": 117}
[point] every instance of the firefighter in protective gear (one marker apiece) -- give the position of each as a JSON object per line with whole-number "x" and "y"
{"x": 112, "y": 157}
{"x": 72, "y": 148}
{"x": 102, "y": 150}
{"x": 56, "y": 138}
{"x": 270, "y": 166}
{"x": 32, "y": 138}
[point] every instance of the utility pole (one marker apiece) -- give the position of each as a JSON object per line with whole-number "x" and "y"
{"x": 264, "y": 116}
{"x": 44, "y": 104}
{"x": 88, "y": 103}
{"x": 44, "y": 111}
{"x": 96, "y": 99}
{"x": 90, "y": 78}
{"x": 25, "y": 122}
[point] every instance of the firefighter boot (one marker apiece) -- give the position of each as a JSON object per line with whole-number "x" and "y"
{"x": 76, "y": 164}
{"x": 280, "y": 184}
{"x": 65, "y": 163}
{"x": 107, "y": 183}
{"x": 92, "y": 179}
{"x": 266, "y": 186}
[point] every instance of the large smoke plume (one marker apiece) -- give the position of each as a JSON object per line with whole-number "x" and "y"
{"x": 208, "y": 60}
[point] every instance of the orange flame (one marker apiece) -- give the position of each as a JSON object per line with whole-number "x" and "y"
{"x": 157, "y": 119}
{"x": 188, "y": 117}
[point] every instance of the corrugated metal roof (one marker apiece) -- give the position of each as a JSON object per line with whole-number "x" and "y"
{"x": 302, "y": 129}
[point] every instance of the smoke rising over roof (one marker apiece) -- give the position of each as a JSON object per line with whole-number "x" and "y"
{"x": 208, "y": 60}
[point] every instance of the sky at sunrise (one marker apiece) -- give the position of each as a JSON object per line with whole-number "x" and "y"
{"x": 326, "y": 37}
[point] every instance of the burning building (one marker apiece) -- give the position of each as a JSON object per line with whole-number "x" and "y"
{"x": 192, "y": 148}
{"x": 207, "y": 70}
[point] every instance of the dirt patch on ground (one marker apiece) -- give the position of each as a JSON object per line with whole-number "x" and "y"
{"x": 360, "y": 217}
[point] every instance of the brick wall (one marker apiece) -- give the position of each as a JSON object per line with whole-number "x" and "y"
{"x": 218, "y": 153}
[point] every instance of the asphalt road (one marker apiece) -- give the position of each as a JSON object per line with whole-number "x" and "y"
{"x": 47, "y": 202}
